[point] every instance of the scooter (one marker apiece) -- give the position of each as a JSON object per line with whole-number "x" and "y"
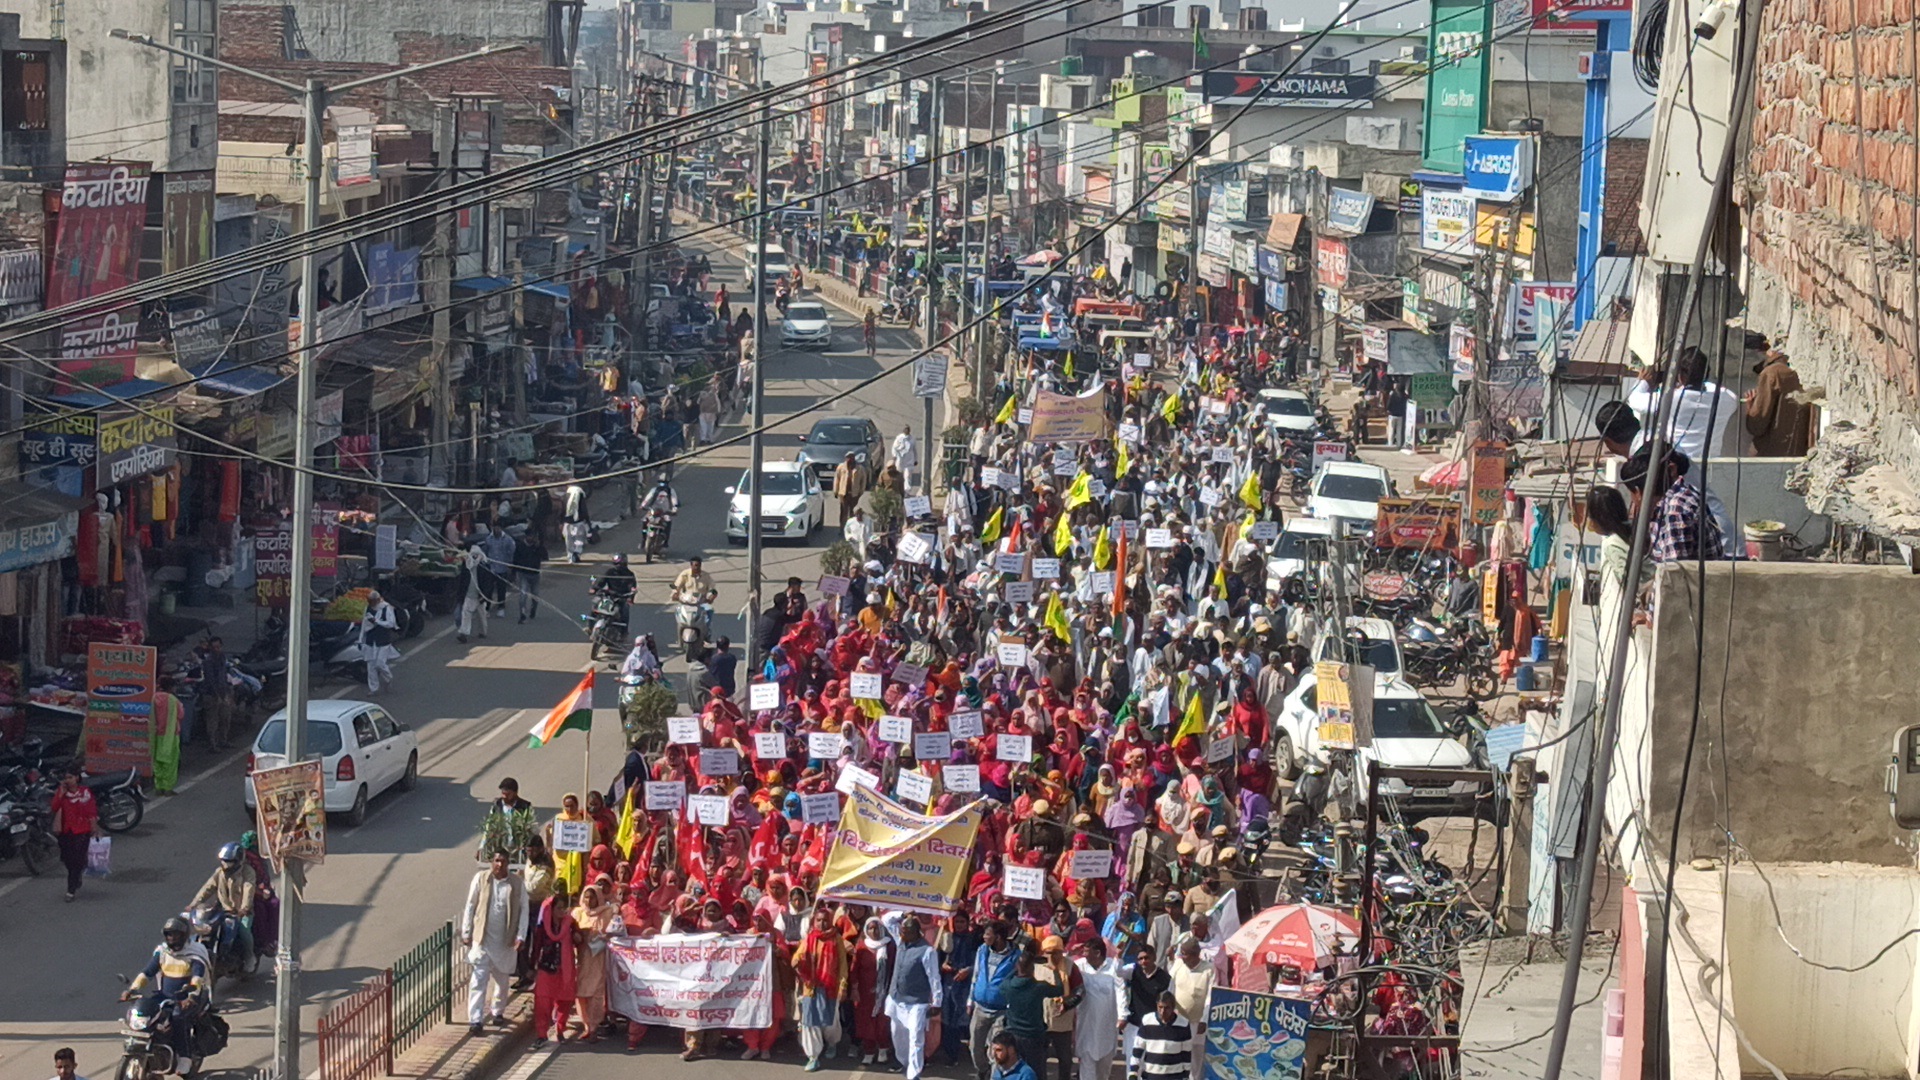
{"x": 693, "y": 621}
{"x": 219, "y": 931}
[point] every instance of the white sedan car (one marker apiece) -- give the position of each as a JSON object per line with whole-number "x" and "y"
{"x": 361, "y": 748}
{"x": 806, "y": 326}
{"x": 792, "y": 503}
{"x": 1406, "y": 733}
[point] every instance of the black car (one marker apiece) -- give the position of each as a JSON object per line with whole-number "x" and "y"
{"x": 833, "y": 438}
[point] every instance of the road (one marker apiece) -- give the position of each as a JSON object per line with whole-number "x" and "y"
{"x": 609, "y": 1060}
{"x": 391, "y": 882}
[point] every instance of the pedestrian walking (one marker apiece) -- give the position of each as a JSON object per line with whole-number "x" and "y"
{"x": 498, "y": 547}
{"x": 379, "y": 629}
{"x": 1192, "y": 978}
{"x": 1096, "y": 1033}
{"x": 216, "y": 694}
{"x": 76, "y": 820}
{"x": 913, "y": 996}
{"x": 1007, "y": 1062}
{"x": 820, "y": 973}
{"x": 870, "y": 981}
{"x": 66, "y": 1065}
{"x": 849, "y": 484}
{"x": 493, "y": 926}
{"x": 576, "y": 528}
{"x": 905, "y": 455}
{"x": 554, "y": 983}
{"x": 596, "y": 920}
{"x": 1165, "y": 1049}
{"x": 473, "y": 602}
{"x": 1143, "y": 984}
{"x": 709, "y": 406}
{"x": 528, "y": 555}
{"x": 1027, "y": 997}
{"x": 167, "y": 713}
{"x": 992, "y": 966}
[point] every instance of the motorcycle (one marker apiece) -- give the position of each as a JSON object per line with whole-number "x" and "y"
{"x": 122, "y": 803}
{"x": 26, "y": 830}
{"x": 693, "y": 621}
{"x": 147, "y": 1051}
{"x": 654, "y": 534}
{"x": 606, "y": 625}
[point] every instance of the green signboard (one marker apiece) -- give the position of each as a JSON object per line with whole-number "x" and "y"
{"x": 1456, "y": 79}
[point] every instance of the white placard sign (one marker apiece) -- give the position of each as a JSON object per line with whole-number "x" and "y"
{"x": 1023, "y": 416}
{"x": 1209, "y": 497}
{"x": 913, "y": 788}
{"x": 1009, "y": 564}
{"x": 1217, "y": 406}
{"x": 816, "y": 809}
{"x": 825, "y": 745}
{"x": 1008, "y": 480}
{"x": 834, "y": 585}
{"x": 1087, "y": 865}
{"x": 1102, "y": 582}
{"x": 1219, "y": 750}
{"x": 932, "y": 745}
{"x": 1024, "y": 883}
{"x": 710, "y": 809}
{"x": 573, "y": 836}
{"x": 867, "y": 684}
{"x": 1011, "y": 654}
{"x": 854, "y": 776}
{"x": 1017, "y": 592}
{"x": 1264, "y": 531}
{"x": 684, "y": 730}
{"x": 1097, "y": 488}
{"x": 720, "y": 761}
{"x": 966, "y": 724}
{"x": 665, "y": 794}
{"x": 1065, "y": 468}
{"x": 910, "y": 674}
{"x": 1159, "y": 538}
{"x": 896, "y": 729}
{"x": 1046, "y": 569}
{"x": 1142, "y": 360}
{"x": 918, "y": 506}
{"x": 763, "y": 695}
{"x": 1324, "y": 452}
{"x": 769, "y": 744}
{"x": 914, "y": 548}
{"x": 989, "y": 477}
{"x": 1015, "y": 748}
{"x": 1223, "y": 455}
{"x": 1130, "y": 433}
{"x": 961, "y": 778}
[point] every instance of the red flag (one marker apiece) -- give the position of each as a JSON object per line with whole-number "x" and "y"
{"x": 1013, "y": 537}
{"x": 1120, "y": 583}
{"x": 815, "y": 859}
{"x": 766, "y": 842}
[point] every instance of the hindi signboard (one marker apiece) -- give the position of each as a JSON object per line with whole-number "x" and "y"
{"x": 118, "y": 731}
{"x": 888, "y": 856}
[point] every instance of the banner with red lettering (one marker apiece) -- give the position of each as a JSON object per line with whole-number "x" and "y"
{"x": 698, "y": 982}
{"x": 96, "y": 250}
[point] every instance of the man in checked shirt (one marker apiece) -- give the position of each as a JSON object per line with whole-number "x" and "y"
{"x": 1680, "y": 528}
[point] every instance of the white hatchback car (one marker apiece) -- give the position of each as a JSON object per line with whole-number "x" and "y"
{"x": 792, "y": 503}
{"x": 362, "y": 749}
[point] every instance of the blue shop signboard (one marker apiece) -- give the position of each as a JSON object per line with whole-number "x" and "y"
{"x": 30, "y": 545}
{"x": 1496, "y": 167}
{"x": 1253, "y": 1035}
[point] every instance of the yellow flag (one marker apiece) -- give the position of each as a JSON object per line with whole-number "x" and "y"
{"x": 1068, "y": 369}
{"x": 1171, "y": 410}
{"x": 1102, "y": 550}
{"x": 1250, "y": 491}
{"x": 1080, "y": 492}
{"x": 1007, "y": 411}
{"x": 990, "y": 532}
{"x": 1122, "y": 462}
{"x": 1063, "y": 535}
{"x": 1193, "y": 721}
{"x": 1056, "y": 618}
{"x": 629, "y": 830}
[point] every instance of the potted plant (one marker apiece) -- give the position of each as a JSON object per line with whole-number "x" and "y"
{"x": 643, "y": 714}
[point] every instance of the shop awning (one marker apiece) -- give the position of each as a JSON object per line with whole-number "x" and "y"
{"x": 96, "y": 397}
{"x": 482, "y": 284}
{"x": 1283, "y": 230}
{"x": 41, "y": 525}
{"x": 549, "y": 288}
{"x": 240, "y": 380}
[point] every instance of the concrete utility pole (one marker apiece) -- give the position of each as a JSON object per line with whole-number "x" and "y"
{"x": 936, "y": 116}
{"x": 313, "y": 97}
{"x": 756, "y": 445}
{"x": 439, "y": 281}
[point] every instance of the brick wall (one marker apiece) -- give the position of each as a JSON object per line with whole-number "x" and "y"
{"x": 1620, "y": 214}
{"x": 1832, "y": 193}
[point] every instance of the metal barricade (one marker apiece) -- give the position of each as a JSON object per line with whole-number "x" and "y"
{"x": 423, "y": 988}
{"x": 356, "y": 1035}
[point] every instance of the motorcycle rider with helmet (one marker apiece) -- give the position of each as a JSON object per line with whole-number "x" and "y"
{"x": 178, "y": 972}
{"x": 661, "y": 504}
{"x": 617, "y": 584}
{"x": 230, "y": 893}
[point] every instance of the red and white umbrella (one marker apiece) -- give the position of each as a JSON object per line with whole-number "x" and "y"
{"x": 1042, "y": 258}
{"x": 1301, "y": 934}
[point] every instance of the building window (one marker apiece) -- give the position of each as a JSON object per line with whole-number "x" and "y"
{"x": 23, "y": 92}
{"x": 1156, "y": 15}
{"x": 193, "y": 31}
{"x": 1253, "y": 18}
{"x": 1199, "y": 16}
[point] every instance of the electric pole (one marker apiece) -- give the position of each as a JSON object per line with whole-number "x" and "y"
{"x": 756, "y": 446}
{"x": 936, "y": 115}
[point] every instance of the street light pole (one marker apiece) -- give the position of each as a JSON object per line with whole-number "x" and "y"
{"x": 313, "y": 99}
{"x": 756, "y": 446}
{"x": 936, "y": 116}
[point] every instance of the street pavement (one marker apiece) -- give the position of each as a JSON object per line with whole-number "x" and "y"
{"x": 390, "y": 883}
{"x": 609, "y": 1060}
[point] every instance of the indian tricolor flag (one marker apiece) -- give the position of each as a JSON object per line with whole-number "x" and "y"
{"x": 575, "y": 713}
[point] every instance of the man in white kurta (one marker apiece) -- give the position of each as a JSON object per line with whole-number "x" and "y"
{"x": 913, "y": 992}
{"x": 1096, "y": 1030}
{"x": 492, "y": 926}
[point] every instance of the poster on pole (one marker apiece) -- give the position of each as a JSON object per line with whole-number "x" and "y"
{"x": 1024, "y": 883}
{"x": 914, "y": 789}
{"x": 719, "y": 761}
{"x": 961, "y": 778}
{"x": 769, "y": 744}
{"x": 684, "y": 730}
{"x": 573, "y": 836}
{"x": 665, "y": 795}
{"x": 1253, "y": 1034}
{"x": 696, "y": 982}
{"x": 896, "y": 729}
{"x": 825, "y": 745}
{"x": 710, "y": 809}
{"x": 763, "y": 695}
{"x": 1065, "y": 418}
{"x": 867, "y": 684}
{"x": 1091, "y": 864}
{"x": 966, "y": 724}
{"x": 821, "y": 808}
{"x": 291, "y": 804}
{"x": 1015, "y": 748}
{"x": 932, "y": 745}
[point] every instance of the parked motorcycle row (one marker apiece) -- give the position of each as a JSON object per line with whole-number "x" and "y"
{"x": 29, "y": 776}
